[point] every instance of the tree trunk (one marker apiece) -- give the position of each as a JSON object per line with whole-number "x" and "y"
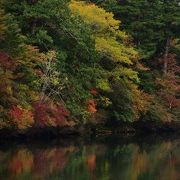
{"x": 166, "y": 56}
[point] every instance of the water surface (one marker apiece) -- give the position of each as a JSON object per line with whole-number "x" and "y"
{"x": 134, "y": 160}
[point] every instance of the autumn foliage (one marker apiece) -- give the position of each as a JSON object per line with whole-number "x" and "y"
{"x": 169, "y": 85}
{"x": 91, "y": 106}
{"x": 50, "y": 114}
{"x": 94, "y": 91}
{"x": 21, "y": 118}
{"x": 68, "y": 62}
{"x": 6, "y": 62}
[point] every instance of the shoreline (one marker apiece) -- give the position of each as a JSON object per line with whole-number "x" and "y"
{"x": 89, "y": 130}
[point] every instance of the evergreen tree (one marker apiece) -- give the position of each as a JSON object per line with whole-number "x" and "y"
{"x": 150, "y": 23}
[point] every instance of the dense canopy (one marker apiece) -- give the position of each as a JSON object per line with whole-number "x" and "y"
{"x": 64, "y": 62}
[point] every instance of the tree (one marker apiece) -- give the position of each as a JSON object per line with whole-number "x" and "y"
{"x": 153, "y": 25}
{"x": 117, "y": 57}
{"x": 18, "y": 65}
{"x": 150, "y": 23}
{"x": 50, "y": 26}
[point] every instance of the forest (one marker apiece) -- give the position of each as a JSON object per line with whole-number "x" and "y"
{"x": 68, "y": 63}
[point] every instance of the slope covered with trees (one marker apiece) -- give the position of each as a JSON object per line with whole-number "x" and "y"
{"x": 65, "y": 63}
{"x": 154, "y": 27}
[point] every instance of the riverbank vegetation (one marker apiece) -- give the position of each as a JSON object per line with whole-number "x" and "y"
{"x": 67, "y": 63}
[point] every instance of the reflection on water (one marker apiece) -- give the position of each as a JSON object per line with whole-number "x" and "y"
{"x": 93, "y": 162}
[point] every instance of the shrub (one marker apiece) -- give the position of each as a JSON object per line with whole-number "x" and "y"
{"x": 50, "y": 114}
{"x": 21, "y": 118}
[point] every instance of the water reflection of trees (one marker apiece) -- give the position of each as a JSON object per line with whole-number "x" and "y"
{"x": 38, "y": 164}
{"x": 127, "y": 162}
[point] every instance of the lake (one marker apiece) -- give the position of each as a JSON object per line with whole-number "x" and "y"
{"x": 107, "y": 159}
